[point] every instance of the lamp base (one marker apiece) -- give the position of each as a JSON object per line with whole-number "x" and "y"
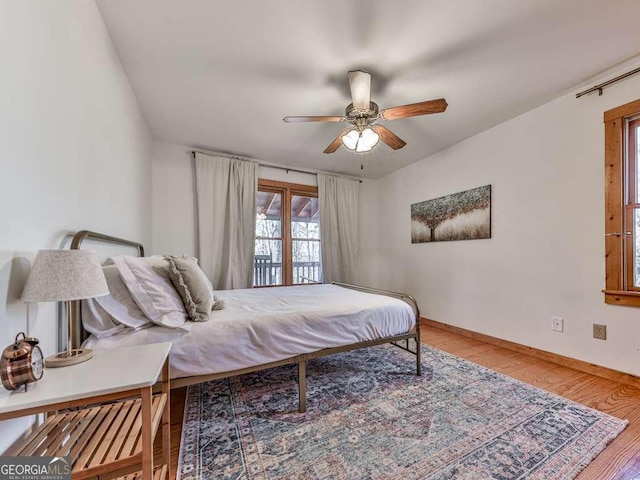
{"x": 71, "y": 357}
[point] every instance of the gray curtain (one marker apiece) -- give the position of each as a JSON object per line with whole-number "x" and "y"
{"x": 226, "y": 199}
{"x": 338, "y": 198}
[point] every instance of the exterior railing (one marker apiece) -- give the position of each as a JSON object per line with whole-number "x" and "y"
{"x": 270, "y": 273}
{"x": 306, "y": 272}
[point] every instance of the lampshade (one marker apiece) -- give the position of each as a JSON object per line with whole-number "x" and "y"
{"x": 61, "y": 275}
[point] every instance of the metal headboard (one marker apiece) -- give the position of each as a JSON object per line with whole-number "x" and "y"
{"x": 79, "y": 333}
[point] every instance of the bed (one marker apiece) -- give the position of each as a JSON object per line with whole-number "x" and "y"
{"x": 267, "y": 327}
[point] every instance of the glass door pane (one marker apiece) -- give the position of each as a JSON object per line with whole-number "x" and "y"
{"x": 305, "y": 239}
{"x": 267, "y": 265}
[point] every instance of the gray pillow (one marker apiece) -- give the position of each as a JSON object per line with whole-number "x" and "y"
{"x": 193, "y": 286}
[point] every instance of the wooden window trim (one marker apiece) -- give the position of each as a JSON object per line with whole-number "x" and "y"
{"x": 624, "y": 111}
{"x": 619, "y": 285}
{"x": 281, "y": 237}
{"x": 293, "y": 187}
{"x": 287, "y": 190}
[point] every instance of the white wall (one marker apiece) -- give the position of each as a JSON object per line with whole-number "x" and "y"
{"x": 74, "y": 151}
{"x": 173, "y": 205}
{"x": 546, "y": 257}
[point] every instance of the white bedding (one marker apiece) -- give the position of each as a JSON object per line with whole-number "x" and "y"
{"x": 264, "y": 325}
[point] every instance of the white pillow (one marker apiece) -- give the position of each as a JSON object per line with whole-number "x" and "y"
{"x": 97, "y": 321}
{"x": 119, "y": 304}
{"x": 153, "y": 293}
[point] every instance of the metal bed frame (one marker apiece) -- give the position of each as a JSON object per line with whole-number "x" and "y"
{"x": 401, "y": 341}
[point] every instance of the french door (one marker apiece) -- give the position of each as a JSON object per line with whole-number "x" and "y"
{"x": 287, "y": 246}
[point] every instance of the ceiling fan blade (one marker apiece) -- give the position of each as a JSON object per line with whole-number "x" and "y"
{"x": 360, "y": 85}
{"x": 414, "y": 109}
{"x": 388, "y": 137}
{"x": 337, "y": 142}
{"x": 313, "y": 119}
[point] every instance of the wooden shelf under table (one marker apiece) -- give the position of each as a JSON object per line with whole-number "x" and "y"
{"x": 159, "y": 473}
{"x": 98, "y": 439}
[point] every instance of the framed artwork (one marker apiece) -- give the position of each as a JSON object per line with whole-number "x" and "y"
{"x": 459, "y": 216}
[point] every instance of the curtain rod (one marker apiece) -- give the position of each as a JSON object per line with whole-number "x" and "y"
{"x": 265, "y": 164}
{"x": 600, "y": 86}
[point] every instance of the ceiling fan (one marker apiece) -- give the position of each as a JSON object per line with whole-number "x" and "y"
{"x": 364, "y": 134}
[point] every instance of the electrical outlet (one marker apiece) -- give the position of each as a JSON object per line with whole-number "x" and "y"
{"x": 557, "y": 324}
{"x": 599, "y": 331}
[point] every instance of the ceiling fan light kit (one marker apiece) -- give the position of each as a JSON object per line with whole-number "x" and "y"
{"x": 350, "y": 140}
{"x": 361, "y": 141}
{"x": 362, "y": 113}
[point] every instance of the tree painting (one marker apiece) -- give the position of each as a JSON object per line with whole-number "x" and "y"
{"x": 460, "y": 216}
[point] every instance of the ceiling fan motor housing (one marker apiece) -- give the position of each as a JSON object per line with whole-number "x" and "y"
{"x": 353, "y": 113}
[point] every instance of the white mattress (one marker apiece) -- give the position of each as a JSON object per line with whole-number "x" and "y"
{"x": 264, "y": 325}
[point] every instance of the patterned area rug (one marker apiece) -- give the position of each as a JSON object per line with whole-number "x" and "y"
{"x": 370, "y": 417}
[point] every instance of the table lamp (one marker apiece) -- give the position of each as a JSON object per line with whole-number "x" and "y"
{"x": 65, "y": 276}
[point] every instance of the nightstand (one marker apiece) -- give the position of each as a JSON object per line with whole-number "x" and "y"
{"x": 102, "y": 413}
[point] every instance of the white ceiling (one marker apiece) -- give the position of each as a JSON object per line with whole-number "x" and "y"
{"x": 220, "y": 75}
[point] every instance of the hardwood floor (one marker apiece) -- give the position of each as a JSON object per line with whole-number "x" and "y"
{"x": 619, "y": 461}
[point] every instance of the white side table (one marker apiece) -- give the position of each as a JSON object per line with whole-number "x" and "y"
{"x": 115, "y": 437}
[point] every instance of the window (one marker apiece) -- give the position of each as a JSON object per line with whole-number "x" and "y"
{"x": 622, "y": 207}
{"x": 287, "y": 250}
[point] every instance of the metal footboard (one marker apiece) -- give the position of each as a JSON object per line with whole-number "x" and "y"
{"x": 409, "y": 299}
{"x": 402, "y": 296}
